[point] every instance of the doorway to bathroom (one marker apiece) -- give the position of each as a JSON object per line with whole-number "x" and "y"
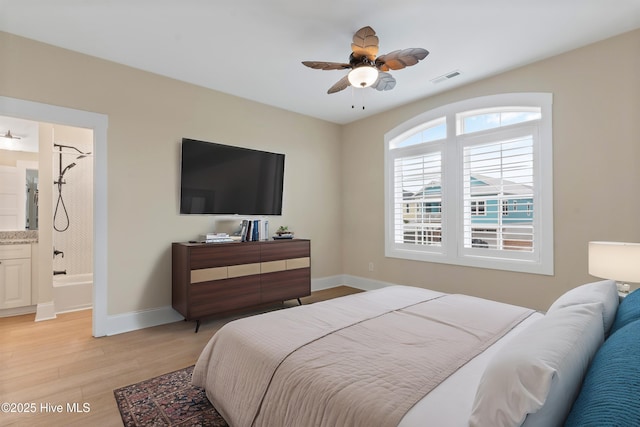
{"x": 97, "y": 124}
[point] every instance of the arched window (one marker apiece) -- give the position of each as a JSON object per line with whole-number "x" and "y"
{"x": 471, "y": 183}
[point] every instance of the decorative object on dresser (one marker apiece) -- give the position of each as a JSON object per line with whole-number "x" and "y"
{"x": 283, "y": 232}
{"x": 219, "y": 278}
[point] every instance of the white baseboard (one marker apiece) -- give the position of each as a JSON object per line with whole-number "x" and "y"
{"x": 326, "y": 283}
{"x": 45, "y": 311}
{"x": 126, "y": 322}
{"x": 17, "y": 311}
{"x": 364, "y": 283}
{"x": 348, "y": 280}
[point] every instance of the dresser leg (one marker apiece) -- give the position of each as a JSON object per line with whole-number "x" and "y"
{"x": 299, "y": 302}
{"x": 197, "y": 326}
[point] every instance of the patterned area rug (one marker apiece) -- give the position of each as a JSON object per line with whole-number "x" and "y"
{"x": 167, "y": 400}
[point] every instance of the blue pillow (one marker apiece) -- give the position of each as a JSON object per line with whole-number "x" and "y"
{"x": 611, "y": 389}
{"x": 628, "y": 311}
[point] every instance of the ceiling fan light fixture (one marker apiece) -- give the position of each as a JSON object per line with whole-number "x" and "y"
{"x": 363, "y": 76}
{"x": 368, "y": 69}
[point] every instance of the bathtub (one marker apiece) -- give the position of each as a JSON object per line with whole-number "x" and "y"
{"x": 72, "y": 292}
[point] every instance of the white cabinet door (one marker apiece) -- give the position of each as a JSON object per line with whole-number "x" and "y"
{"x": 15, "y": 283}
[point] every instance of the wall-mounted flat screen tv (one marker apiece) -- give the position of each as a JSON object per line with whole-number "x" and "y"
{"x": 222, "y": 179}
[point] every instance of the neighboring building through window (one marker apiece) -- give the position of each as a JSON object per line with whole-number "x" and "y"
{"x": 478, "y": 208}
{"x": 470, "y": 183}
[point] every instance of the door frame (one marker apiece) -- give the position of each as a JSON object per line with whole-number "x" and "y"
{"x": 41, "y": 112}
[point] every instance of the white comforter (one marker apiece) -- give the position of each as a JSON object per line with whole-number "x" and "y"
{"x": 360, "y": 360}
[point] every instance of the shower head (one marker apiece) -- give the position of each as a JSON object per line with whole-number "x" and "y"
{"x": 62, "y": 172}
{"x": 83, "y": 155}
{"x": 61, "y": 146}
{"x": 66, "y": 169}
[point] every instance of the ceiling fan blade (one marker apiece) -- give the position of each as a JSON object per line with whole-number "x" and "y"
{"x": 321, "y": 65}
{"x": 385, "y": 82}
{"x": 341, "y": 84}
{"x": 398, "y": 59}
{"x": 365, "y": 43}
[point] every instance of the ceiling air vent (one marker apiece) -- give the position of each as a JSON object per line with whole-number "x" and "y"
{"x": 444, "y": 77}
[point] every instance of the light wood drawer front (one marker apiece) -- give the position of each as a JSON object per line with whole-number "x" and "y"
{"x": 244, "y": 270}
{"x": 295, "y": 263}
{"x": 220, "y": 273}
{"x": 285, "y": 264}
{"x": 208, "y": 274}
{"x": 271, "y": 266}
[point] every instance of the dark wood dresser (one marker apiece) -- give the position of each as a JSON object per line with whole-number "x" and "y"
{"x": 211, "y": 279}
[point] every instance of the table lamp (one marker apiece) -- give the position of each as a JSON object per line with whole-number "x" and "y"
{"x": 617, "y": 261}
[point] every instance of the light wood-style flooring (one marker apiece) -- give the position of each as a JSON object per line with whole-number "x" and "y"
{"x": 58, "y": 362}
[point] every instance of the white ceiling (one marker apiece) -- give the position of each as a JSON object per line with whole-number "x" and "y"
{"x": 253, "y": 48}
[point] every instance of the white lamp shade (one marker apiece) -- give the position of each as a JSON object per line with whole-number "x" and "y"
{"x": 615, "y": 260}
{"x": 363, "y": 76}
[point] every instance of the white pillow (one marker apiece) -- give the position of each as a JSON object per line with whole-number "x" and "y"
{"x": 605, "y": 292}
{"x": 539, "y": 372}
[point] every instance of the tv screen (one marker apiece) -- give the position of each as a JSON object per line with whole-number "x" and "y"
{"x": 222, "y": 179}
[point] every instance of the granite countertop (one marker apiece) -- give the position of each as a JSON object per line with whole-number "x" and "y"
{"x": 18, "y": 237}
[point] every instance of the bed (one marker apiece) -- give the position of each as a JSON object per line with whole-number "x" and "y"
{"x": 406, "y": 356}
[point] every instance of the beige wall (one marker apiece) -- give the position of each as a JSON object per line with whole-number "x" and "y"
{"x": 148, "y": 116}
{"x": 596, "y": 137}
{"x": 10, "y": 158}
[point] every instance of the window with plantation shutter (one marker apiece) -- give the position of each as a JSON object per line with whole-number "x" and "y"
{"x": 418, "y": 205}
{"x": 471, "y": 184}
{"x": 498, "y": 172}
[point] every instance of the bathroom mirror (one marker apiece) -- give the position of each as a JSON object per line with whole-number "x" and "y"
{"x": 31, "y": 211}
{"x": 18, "y": 191}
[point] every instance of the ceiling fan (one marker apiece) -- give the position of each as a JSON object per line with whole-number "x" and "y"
{"x": 367, "y": 70}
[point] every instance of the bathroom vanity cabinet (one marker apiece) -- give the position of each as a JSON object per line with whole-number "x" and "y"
{"x": 15, "y": 275}
{"x": 216, "y": 278}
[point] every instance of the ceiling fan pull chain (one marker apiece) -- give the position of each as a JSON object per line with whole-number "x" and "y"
{"x": 353, "y": 103}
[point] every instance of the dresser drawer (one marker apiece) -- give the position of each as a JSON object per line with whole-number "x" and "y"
{"x": 284, "y": 285}
{"x": 223, "y": 295}
{"x": 224, "y": 254}
{"x": 276, "y": 250}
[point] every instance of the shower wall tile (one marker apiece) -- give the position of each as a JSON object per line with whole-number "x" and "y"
{"x": 77, "y": 193}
